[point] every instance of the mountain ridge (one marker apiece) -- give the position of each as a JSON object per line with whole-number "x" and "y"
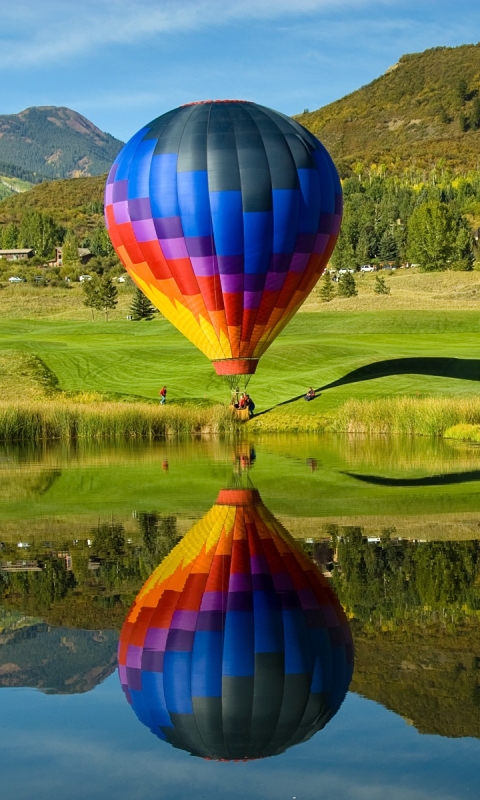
{"x": 53, "y": 142}
{"x": 423, "y": 110}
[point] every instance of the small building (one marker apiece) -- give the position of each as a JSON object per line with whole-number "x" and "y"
{"x": 17, "y": 254}
{"x": 84, "y": 255}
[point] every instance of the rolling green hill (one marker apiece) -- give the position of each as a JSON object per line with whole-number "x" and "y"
{"x": 416, "y": 116}
{"x": 55, "y": 142}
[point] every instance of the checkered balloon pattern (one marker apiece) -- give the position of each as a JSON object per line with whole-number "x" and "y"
{"x": 236, "y": 647}
{"x": 225, "y": 214}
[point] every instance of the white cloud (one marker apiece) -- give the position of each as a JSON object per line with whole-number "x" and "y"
{"x": 55, "y": 30}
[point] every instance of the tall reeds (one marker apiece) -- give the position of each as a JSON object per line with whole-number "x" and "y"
{"x": 60, "y": 419}
{"x": 426, "y": 416}
{"x": 67, "y": 420}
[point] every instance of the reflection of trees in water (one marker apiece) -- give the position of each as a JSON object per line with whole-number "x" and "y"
{"x": 18, "y": 485}
{"x": 386, "y": 579}
{"x": 104, "y": 577}
{"x": 413, "y": 609}
{"x": 377, "y": 582}
{"x": 38, "y": 590}
{"x": 159, "y": 534}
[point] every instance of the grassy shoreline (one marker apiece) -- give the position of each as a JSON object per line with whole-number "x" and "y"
{"x": 378, "y": 368}
{"x": 68, "y": 419}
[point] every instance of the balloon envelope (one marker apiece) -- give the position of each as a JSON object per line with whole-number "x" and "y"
{"x": 236, "y": 647}
{"x": 225, "y": 214}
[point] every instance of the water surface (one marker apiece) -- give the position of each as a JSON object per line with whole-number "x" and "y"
{"x": 393, "y": 526}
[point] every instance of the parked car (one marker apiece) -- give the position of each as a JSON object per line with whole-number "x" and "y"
{"x": 85, "y": 278}
{"x": 344, "y": 271}
{"x": 15, "y": 279}
{"x": 367, "y": 268}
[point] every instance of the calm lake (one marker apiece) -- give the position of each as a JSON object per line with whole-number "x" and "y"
{"x": 312, "y": 631}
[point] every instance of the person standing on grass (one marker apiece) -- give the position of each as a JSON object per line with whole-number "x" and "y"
{"x": 163, "y": 395}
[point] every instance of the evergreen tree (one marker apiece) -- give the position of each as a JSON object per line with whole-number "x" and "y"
{"x": 327, "y": 289}
{"x": 343, "y": 256}
{"x": 365, "y": 246}
{"x": 387, "y": 249}
{"x": 380, "y": 285}
{"x": 141, "y": 307}
{"x": 462, "y": 90}
{"x": 347, "y": 286}
{"x": 108, "y": 294}
{"x": 444, "y": 116}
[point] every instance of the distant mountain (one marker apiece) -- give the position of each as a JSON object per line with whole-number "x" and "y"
{"x": 54, "y": 660}
{"x": 53, "y": 142}
{"x": 424, "y": 110}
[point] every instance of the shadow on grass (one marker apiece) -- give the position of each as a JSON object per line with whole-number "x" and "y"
{"x": 432, "y": 480}
{"x": 466, "y": 369}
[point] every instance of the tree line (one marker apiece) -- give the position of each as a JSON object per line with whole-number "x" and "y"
{"x": 389, "y": 219}
{"x": 91, "y": 596}
{"x": 393, "y": 580}
{"x": 376, "y": 582}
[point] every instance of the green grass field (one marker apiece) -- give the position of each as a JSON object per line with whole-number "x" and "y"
{"x": 364, "y": 355}
{"x": 363, "y": 349}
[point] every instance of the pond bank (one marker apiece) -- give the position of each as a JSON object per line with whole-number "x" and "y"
{"x": 68, "y": 419}
{"x": 450, "y": 417}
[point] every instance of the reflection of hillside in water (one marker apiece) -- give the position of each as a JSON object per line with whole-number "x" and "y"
{"x": 398, "y": 455}
{"x": 430, "y": 678}
{"x": 54, "y": 660}
{"x": 414, "y": 611}
{"x": 305, "y": 479}
{"x": 236, "y": 647}
{"x": 20, "y": 485}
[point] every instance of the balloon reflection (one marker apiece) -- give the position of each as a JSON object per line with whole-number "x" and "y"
{"x": 236, "y": 647}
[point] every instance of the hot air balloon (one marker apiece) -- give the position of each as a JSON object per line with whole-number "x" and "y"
{"x": 225, "y": 214}
{"x": 236, "y": 647}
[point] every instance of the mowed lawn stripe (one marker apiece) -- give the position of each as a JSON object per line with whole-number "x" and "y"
{"x": 316, "y": 349}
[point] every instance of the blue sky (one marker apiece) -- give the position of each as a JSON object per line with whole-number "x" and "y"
{"x": 122, "y": 63}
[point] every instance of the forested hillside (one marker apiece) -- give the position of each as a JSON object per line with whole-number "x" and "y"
{"x": 423, "y": 112}
{"x": 69, "y": 202}
{"x": 53, "y": 142}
